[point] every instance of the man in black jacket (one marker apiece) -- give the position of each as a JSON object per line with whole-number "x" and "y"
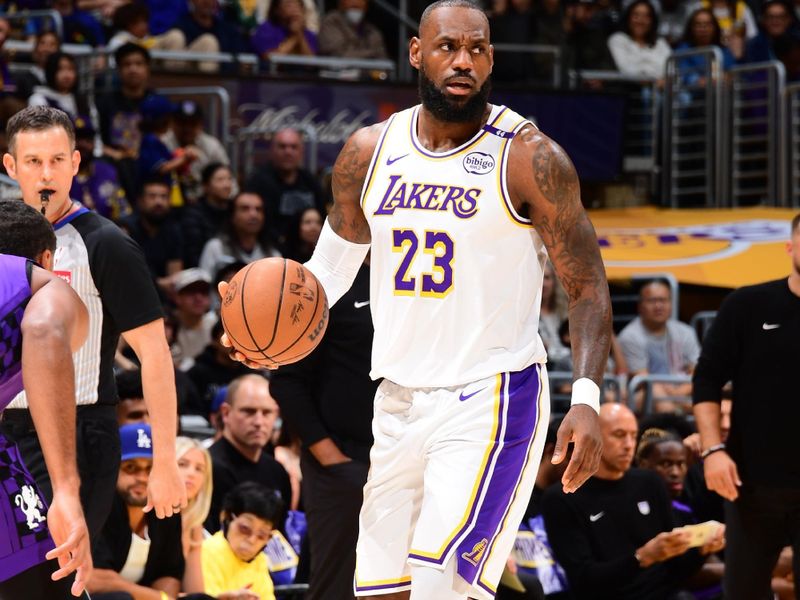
{"x": 755, "y": 343}
{"x": 613, "y": 536}
{"x": 136, "y": 552}
{"x": 327, "y": 399}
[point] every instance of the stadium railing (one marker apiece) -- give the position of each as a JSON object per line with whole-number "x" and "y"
{"x": 332, "y": 66}
{"x": 642, "y": 126}
{"x": 246, "y": 140}
{"x": 754, "y": 128}
{"x": 25, "y": 15}
{"x": 646, "y": 383}
{"x": 691, "y": 166}
{"x": 701, "y": 322}
{"x": 791, "y": 144}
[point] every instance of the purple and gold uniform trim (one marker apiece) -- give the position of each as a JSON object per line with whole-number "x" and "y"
{"x": 502, "y": 178}
{"x": 377, "y": 157}
{"x": 506, "y": 459}
{"x": 486, "y": 129}
{"x": 395, "y": 585}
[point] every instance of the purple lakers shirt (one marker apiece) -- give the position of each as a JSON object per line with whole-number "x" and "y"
{"x": 15, "y": 292}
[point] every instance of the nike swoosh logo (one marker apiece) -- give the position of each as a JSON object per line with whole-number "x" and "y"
{"x": 596, "y": 517}
{"x": 768, "y": 326}
{"x": 462, "y": 397}
{"x": 360, "y": 304}
{"x": 391, "y": 161}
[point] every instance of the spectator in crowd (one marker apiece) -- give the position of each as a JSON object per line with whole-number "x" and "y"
{"x": 96, "y": 185}
{"x": 303, "y": 234}
{"x": 637, "y": 49}
{"x": 80, "y": 27}
{"x": 248, "y": 413}
{"x": 552, "y": 314}
{"x": 702, "y": 31}
{"x": 155, "y": 158}
{"x": 736, "y": 21}
{"x": 131, "y": 407}
{"x": 45, "y": 44}
{"x": 61, "y": 89}
{"x": 245, "y": 237}
{"x": 587, "y": 37}
{"x": 233, "y": 559}
{"x": 7, "y": 83}
{"x": 345, "y": 32}
{"x": 165, "y": 13}
{"x": 532, "y": 552}
{"x": 187, "y": 132}
{"x": 285, "y": 31}
{"x": 754, "y": 342}
{"x": 665, "y": 454}
{"x": 327, "y": 398}
{"x": 151, "y": 227}
{"x": 136, "y": 553}
{"x": 194, "y": 463}
{"x": 777, "y": 18}
{"x": 195, "y": 320}
{"x": 132, "y": 24}
{"x": 120, "y": 113}
{"x": 655, "y": 343}
{"x": 205, "y": 31}
{"x": 613, "y": 536}
{"x": 105, "y": 8}
{"x": 310, "y": 7}
{"x": 284, "y": 183}
{"x": 213, "y": 370}
{"x": 787, "y": 50}
{"x": 205, "y": 218}
{"x": 512, "y": 22}
{"x": 550, "y": 19}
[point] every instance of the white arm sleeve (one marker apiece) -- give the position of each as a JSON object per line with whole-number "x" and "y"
{"x": 335, "y": 262}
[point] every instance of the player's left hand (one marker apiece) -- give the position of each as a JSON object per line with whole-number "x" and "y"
{"x": 166, "y": 492}
{"x": 716, "y": 543}
{"x": 68, "y": 528}
{"x": 580, "y": 426}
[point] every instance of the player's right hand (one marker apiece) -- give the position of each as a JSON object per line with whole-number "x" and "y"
{"x": 234, "y": 354}
{"x": 663, "y": 547}
{"x": 721, "y": 474}
{"x": 68, "y": 528}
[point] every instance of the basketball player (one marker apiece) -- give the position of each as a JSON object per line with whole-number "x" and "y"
{"x": 107, "y": 270}
{"x": 42, "y": 321}
{"x": 461, "y": 202}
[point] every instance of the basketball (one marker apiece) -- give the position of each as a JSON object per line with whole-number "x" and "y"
{"x": 274, "y": 311}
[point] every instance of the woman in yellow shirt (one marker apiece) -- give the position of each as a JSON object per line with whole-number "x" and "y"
{"x": 234, "y": 564}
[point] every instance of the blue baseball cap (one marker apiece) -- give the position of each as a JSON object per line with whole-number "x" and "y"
{"x": 136, "y": 440}
{"x": 155, "y": 106}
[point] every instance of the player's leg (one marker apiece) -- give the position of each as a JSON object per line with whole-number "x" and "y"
{"x": 480, "y": 473}
{"x": 755, "y": 534}
{"x": 392, "y": 495}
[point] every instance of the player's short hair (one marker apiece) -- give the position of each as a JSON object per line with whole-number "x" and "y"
{"x": 256, "y": 499}
{"x": 38, "y": 118}
{"x": 795, "y": 222}
{"x": 446, "y": 4}
{"x": 24, "y": 231}
{"x": 651, "y": 439}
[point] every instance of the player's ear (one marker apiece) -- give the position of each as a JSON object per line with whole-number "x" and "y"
{"x": 46, "y": 259}
{"x": 11, "y": 165}
{"x": 414, "y": 55}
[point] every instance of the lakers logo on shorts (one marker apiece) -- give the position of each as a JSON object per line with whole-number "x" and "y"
{"x": 476, "y": 554}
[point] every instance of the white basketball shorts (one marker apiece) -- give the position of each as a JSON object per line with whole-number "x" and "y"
{"x": 452, "y": 471}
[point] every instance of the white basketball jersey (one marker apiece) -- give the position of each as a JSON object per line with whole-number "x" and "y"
{"x": 456, "y": 273}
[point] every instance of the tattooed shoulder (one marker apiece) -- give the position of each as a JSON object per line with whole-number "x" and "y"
{"x": 554, "y": 172}
{"x": 353, "y": 161}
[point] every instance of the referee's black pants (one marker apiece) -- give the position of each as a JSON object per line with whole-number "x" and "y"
{"x": 332, "y": 498}
{"x": 759, "y": 524}
{"x": 98, "y": 454}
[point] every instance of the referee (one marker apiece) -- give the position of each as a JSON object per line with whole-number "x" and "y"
{"x": 755, "y": 343}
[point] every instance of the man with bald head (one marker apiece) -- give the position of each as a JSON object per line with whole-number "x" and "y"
{"x": 285, "y": 185}
{"x": 248, "y": 414}
{"x": 613, "y": 537}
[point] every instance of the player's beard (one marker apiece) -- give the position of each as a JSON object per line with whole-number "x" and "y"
{"x": 445, "y": 109}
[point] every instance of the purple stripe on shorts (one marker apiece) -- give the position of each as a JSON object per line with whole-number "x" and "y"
{"x": 484, "y": 478}
{"x": 384, "y": 586}
{"x": 522, "y": 415}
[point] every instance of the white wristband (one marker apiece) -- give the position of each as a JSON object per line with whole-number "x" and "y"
{"x": 336, "y": 262}
{"x": 585, "y": 391}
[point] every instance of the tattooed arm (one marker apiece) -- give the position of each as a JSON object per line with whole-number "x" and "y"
{"x": 346, "y": 217}
{"x": 543, "y": 181}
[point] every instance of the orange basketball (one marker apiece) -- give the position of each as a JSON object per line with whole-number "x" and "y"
{"x": 275, "y": 311}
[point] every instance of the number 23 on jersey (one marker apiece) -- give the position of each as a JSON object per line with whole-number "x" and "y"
{"x": 437, "y": 280}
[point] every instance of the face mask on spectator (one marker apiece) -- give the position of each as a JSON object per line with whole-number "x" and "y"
{"x": 354, "y": 15}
